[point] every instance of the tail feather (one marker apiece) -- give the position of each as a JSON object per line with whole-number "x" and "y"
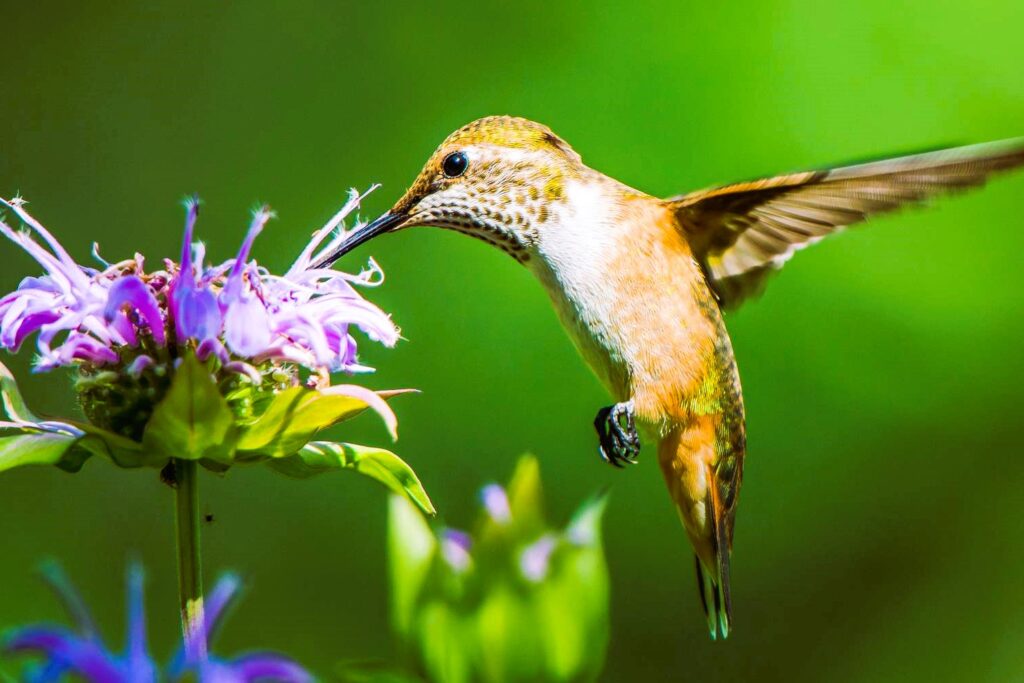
{"x": 709, "y": 596}
{"x": 703, "y": 471}
{"x": 715, "y": 597}
{"x": 723, "y": 551}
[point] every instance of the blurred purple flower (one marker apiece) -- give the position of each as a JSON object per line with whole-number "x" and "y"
{"x": 236, "y": 311}
{"x": 455, "y": 547}
{"x": 495, "y": 502}
{"x": 536, "y": 558}
{"x": 81, "y": 652}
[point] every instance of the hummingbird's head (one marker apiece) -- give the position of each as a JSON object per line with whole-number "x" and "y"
{"x": 498, "y": 179}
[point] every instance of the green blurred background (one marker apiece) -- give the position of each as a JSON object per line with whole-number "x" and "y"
{"x": 879, "y": 535}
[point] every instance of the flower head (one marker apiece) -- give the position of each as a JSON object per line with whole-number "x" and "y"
{"x": 236, "y": 310}
{"x": 80, "y": 650}
{"x": 220, "y": 363}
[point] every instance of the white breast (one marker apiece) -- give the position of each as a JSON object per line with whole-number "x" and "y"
{"x": 574, "y": 254}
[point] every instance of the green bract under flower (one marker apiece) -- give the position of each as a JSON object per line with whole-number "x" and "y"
{"x": 194, "y": 421}
{"x": 515, "y": 600}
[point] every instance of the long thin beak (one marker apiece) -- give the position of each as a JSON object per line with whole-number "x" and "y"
{"x": 385, "y": 222}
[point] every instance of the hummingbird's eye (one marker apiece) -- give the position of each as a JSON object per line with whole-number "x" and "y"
{"x": 455, "y": 164}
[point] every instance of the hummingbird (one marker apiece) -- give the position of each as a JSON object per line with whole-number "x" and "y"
{"x": 641, "y": 283}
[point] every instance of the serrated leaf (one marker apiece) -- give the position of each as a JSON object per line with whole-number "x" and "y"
{"x": 321, "y": 456}
{"x": 40, "y": 448}
{"x": 193, "y": 421}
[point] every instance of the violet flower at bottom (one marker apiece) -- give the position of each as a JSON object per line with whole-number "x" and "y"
{"x": 80, "y": 650}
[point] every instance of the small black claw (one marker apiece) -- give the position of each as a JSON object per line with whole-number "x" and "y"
{"x": 618, "y": 439}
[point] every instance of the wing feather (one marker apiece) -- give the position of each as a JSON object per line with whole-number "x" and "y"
{"x": 743, "y": 232}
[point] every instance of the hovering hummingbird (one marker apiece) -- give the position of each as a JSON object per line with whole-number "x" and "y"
{"x": 640, "y": 283}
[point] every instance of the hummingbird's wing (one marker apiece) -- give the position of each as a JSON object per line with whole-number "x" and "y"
{"x": 743, "y": 232}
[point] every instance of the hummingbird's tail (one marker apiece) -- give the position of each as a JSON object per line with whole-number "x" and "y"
{"x": 702, "y": 473}
{"x": 714, "y": 592}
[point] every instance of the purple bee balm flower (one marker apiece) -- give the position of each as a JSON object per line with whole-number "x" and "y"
{"x": 194, "y": 306}
{"x": 221, "y": 364}
{"x": 80, "y": 651}
{"x": 130, "y": 293}
{"x": 236, "y": 311}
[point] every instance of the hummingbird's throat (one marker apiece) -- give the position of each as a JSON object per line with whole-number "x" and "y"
{"x": 506, "y": 229}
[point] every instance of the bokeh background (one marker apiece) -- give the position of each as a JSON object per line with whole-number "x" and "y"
{"x": 879, "y": 535}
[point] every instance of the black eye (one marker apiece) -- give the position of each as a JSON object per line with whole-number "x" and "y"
{"x": 455, "y": 164}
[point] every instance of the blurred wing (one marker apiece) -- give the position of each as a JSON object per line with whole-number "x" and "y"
{"x": 743, "y": 232}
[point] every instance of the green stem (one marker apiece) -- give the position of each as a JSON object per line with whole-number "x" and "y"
{"x": 190, "y": 573}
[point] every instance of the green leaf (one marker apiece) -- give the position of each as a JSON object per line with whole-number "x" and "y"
{"x": 525, "y": 499}
{"x": 585, "y": 526}
{"x": 572, "y": 613}
{"x": 572, "y": 604}
{"x": 215, "y": 466}
{"x": 261, "y": 434}
{"x": 318, "y": 457}
{"x": 316, "y": 411}
{"x": 41, "y": 448}
{"x": 510, "y": 645}
{"x": 193, "y": 420}
{"x": 120, "y": 450}
{"x": 293, "y": 418}
{"x": 411, "y": 549}
{"x": 14, "y": 404}
{"x": 447, "y": 644}
{"x": 526, "y": 521}
{"x": 96, "y": 441}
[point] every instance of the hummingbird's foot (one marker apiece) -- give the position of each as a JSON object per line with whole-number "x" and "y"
{"x": 616, "y": 431}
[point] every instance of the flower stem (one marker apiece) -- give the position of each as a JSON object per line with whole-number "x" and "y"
{"x": 190, "y": 574}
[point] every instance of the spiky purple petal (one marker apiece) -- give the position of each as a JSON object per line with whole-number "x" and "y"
{"x": 236, "y": 311}
{"x": 67, "y": 652}
{"x": 266, "y": 667}
{"x": 130, "y": 290}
